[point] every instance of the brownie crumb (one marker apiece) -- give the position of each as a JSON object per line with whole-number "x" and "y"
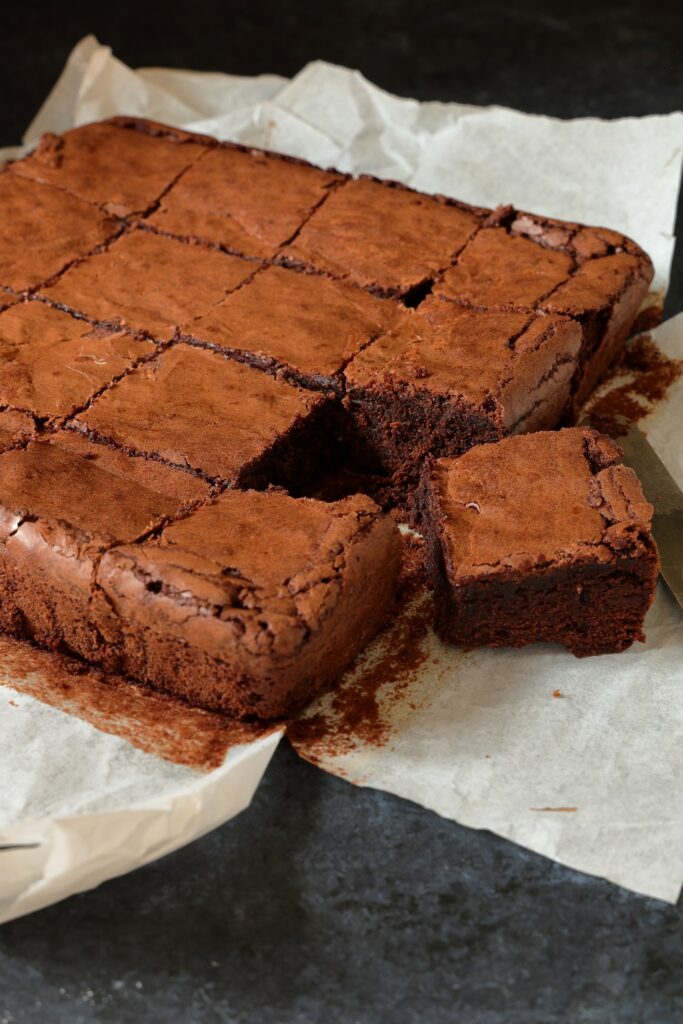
{"x": 354, "y": 715}
{"x": 650, "y": 374}
{"x": 153, "y": 722}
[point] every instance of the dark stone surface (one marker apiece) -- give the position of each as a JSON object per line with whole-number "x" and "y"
{"x": 324, "y": 902}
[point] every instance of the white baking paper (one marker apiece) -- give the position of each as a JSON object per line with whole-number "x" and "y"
{"x": 485, "y": 741}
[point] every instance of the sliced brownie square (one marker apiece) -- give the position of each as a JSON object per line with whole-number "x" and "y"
{"x": 544, "y": 537}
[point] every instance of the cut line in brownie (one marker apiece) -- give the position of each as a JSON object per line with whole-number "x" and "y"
{"x": 243, "y": 200}
{"x": 110, "y": 164}
{"x": 301, "y": 327}
{"x": 148, "y": 284}
{"x": 194, "y": 409}
{"x": 52, "y": 365}
{"x": 382, "y": 236}
{"x": 450, "y": 377}
{"x": 544, "y": 537}
{"x": 64, "y": 501}
{"x": 43, "y": 230}
{"x": 252, "y": 602}
{"x": 518, "y": 261}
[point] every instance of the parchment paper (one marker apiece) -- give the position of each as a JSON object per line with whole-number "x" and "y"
{"x": 577, "y": 759}
{"x": 80, "y": 806}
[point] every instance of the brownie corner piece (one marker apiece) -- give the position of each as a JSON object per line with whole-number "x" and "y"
{"x": 63, "y": 502}
{"x": 252, "y": 602}
{"x": 542, "y": 537}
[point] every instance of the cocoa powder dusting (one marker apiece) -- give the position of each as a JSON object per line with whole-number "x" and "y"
{"x": 353, "y": 713}
{"x": 152, "y": 722}
{"x": 649, "y": 375}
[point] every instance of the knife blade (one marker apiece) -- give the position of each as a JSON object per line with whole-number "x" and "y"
{"x": 664, "y": 494}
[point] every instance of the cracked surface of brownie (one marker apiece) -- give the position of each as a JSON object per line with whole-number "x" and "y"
{"x": 544, "y": 537}
{"x": 51, "y": 364}
{"x": 251, "y": 602}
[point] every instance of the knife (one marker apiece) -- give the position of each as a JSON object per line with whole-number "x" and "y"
{"x": 664, "y": 494}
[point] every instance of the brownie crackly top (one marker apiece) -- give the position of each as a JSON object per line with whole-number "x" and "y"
{"x": 570, "y": 499}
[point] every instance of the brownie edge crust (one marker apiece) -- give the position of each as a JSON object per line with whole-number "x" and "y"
{"x": 517, "y": 557}
{"x": 252, "y": 603}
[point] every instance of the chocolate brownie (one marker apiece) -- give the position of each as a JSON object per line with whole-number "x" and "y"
{"x": 540, "y": 538}
{"x": 595, "y": 275}
{"x": 195, "y": 409}
{"x": 382, "y": 236}
{"x": 43, "y": 230}
{"x": 298, "y": 326}
{"x": 180, "y": 304}
{"x": 148, "y": 284}
{"x": 111, "y": 164}
{"x": 246, "y": 201}
{"x": 449, "y": 377}
{"x": 250, "y": 603}
{"x": 63, "y": 502}
{"x": 15, "y": 428}
{"x": 52, "y": 364}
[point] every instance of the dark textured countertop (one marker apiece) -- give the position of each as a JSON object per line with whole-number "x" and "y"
{"x": 324, "y": 902}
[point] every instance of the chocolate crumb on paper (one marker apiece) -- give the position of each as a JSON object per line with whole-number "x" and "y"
{"x": 563, "y": 809}
{"x": 640, "y": 380}
{"x": 370, "y": 700}
{"x": 150, "y": 721}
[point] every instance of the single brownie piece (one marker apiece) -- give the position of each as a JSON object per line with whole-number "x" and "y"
{"x": 595, "y": 275}
{"x": 148, "y": 284}
{"x": 52, "y": 364}
{"x": 382, "y": 236}
{"x": 251, "y": 603}
{"x": 63, "y": 502}
{"x": 121, "y": 169}
{"x": 245, "y": 201}
{"x": 197, "y": 410}
{"x": 43, "y": 230}
{"x": 299, "y": 326}
{"x": 450, "y": 377}
{"x": 544, "y": 537}
{"x": 15, "y": 428}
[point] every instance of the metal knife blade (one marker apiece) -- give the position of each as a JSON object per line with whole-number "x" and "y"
{"x": 662, "y": 491}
